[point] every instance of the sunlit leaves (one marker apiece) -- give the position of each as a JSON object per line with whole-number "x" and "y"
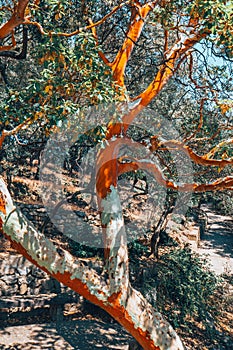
{"x": 71, "y": 75}
{"x": 217, "y": 16}
{"x": 225, "y": 107}
{"x": 214, "y": 17}
{"x": 48, "y": 89}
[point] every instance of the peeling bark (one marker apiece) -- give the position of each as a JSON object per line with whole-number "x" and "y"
{"x": 125, "y": 304}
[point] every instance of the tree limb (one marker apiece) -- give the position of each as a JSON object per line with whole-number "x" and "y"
{"x": 139, "y": 14}
{"x": 166, "y": 71}
{"x": 201, "y": 160}
{"x": 153, "y": 169}
{"x": 90, "y": 26}
{"x": 127, "y": 306}
{"x": 17, "y": 18}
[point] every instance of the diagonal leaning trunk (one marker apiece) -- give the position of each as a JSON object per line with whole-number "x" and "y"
{"x": 113, "y": 293}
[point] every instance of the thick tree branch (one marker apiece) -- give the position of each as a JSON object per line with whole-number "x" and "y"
{"x": 139, "y": 14}
{"x": 155, "y": 171}
{"x": 127, "y": 306}
{"x": 115, "y": 241}
{"x": 17, "y": 18}
{"x": 201, "y": 160}
{"x": 166, "y": 71}
{"x": 173, "y": 58}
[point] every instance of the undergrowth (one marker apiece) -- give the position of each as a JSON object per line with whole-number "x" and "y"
{"x": 180, "y": 285}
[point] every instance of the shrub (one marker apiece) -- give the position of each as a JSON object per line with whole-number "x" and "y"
{"x": 180, "y": 286}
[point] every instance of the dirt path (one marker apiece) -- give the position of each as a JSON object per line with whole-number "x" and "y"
{"x": 217, "y": 242}
{"x": 70, "y": 335}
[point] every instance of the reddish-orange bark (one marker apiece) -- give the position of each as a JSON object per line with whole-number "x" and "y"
{"x": 202, "y": 160}
{"x": 112, "y": 305}
{"x": 107, "y": 172}
{"x": 165, "y": 72}
{"x": 139, "y": 14}
{"x": 219, "y": 184}
{"x": 16, "y": 19}
{"x": 114, "y": 308}
{"x": 108, "y": 166}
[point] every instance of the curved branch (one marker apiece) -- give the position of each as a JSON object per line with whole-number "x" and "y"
{"x": 201, "y": 160}
{"x": 90, "y": 26}
{"x": 101, "y": 54}
{"x": 173, "y": 59}
{"x": 14, "y": 54}
{"x": 127, "y": 306}
{"x": 217, "y": 148}
{"x": 217, "y": 185}
{"x": 197, "y": 86}
{"x": 200, "y": 124}
{"x": 16, "y": 19}
{"x": 166, "y": 71}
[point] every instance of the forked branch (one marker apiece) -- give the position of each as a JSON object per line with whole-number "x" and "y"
{"x": 79, "y": 30}
{"x": 155, "y": 171}
{"x": 205, "y": 159}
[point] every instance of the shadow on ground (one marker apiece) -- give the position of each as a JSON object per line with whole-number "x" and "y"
{"x": 69, "y": 335}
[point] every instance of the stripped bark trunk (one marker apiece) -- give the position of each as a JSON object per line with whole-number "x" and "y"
{"x": 121, "y": 301}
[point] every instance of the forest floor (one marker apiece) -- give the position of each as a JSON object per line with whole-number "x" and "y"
{"x": 82, "y": 334}
{"x": 83, "y": 331}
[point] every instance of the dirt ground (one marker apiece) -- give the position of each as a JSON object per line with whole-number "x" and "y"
{"x": 78, "y": 335}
